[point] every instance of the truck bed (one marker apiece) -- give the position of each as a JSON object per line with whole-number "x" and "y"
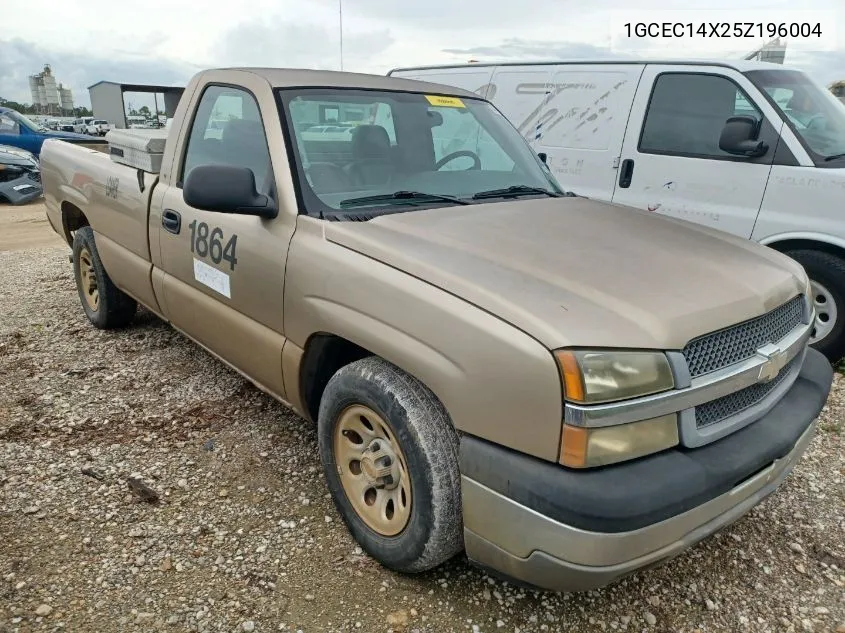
{"x": 115, "y": 199}
{"x": 111, "y": 194}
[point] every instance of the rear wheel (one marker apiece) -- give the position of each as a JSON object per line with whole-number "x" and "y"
{"x": 105, "y": 305}
{"x": 390, "y": 456}
{"x": 827, "y": 281}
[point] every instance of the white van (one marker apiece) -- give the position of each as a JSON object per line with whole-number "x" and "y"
{"x": 751, "y": 148}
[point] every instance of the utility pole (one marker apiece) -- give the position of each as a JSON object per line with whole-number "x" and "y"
{"x": 340, "y": 16}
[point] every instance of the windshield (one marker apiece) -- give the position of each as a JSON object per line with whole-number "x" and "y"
{"x": 21, "y": 120}
{"x": 813, "y": 112}
{"x": 352, "y": 144}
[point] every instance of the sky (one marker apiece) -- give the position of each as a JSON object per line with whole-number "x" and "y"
{"x": 165, "y": 41}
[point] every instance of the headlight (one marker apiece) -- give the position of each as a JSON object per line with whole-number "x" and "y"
{"x": 592, "y": 377}
{"x": 589, "y": 447}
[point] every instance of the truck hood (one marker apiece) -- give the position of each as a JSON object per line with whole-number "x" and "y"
{"x": 571, "y": 271}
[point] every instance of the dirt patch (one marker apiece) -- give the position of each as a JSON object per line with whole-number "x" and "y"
{"x": 26, "y": 227}
{"x": 244, "y": 536}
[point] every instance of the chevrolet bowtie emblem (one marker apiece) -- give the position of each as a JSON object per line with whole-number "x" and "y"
{"x": 775, "y": 361}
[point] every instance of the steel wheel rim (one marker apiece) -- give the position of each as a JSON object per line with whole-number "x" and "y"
{"x": 373, "y": 470}
{"x": 88, "y": 279}
{"x": 826, "y": 311}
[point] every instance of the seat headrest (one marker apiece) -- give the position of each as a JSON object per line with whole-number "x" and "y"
{"x": 370, "y": 141}
{"x": 238, "y": 130}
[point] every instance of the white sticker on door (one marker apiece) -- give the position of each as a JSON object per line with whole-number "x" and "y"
{"x": 211, "y": 277}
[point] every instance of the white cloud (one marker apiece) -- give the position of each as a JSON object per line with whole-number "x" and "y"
{"x": 165, "y": 41}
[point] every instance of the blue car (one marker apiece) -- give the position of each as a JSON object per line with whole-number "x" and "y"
{"x": 18, "y": 131}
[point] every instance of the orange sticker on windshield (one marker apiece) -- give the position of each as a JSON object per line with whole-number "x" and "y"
{"x": 447, "y": 102}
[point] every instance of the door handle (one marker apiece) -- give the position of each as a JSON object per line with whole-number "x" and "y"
{"x": 626, "y": 173}
{"x": 171, "y": 221}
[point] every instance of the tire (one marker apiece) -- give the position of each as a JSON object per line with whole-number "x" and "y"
{"x": 112, "y": 308}
{"x": 827, "y": 275}
{"x": 425, "y": 446}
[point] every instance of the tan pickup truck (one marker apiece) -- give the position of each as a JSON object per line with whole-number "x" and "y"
{"x": 567, "y": 390}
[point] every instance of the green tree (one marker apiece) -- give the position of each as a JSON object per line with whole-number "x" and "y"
{"x": 23, "y": 108}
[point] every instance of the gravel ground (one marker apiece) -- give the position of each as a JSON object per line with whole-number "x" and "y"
{"x": 245, "y": 537}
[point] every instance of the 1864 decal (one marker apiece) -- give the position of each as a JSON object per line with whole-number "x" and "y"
{"x": 112, "y": 184}
{"x": 207, "y": 242}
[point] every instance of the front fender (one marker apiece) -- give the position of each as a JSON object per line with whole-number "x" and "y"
{"x": 495, "y": 381}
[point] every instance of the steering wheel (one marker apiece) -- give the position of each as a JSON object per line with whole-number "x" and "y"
{"x": 476, "y": 161}
{"x": 813, "y": 123}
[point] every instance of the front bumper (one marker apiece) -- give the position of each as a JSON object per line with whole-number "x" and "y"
{"x": 564, "y": 530}
{"x": 21, "y": 190}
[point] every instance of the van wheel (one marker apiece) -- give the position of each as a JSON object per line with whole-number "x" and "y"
{"x": 827, "y": 280}
{"x": 390, "y": 456}
{"x": 105, "y": 305}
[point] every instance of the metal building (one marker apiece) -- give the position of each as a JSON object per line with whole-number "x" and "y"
{"x": 774, "y": 51}
{"x": 48, "y": 96}
{"x": 107, "y": 100}
{"x": 66, "y": 98}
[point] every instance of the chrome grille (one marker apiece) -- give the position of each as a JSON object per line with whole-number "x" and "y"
{"x": 737, "y": 402}
{"x": 739, "y": 342}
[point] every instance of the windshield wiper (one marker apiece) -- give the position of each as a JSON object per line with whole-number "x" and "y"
{"x": 516, "y": 190}
{"x": 834, "y": 157}
{"x": 401, "y": 197}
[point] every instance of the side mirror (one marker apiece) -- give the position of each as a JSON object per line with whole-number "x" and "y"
{"x": 226, "y": 189}
{"x": 543, "y": 156}
{"x": 739, "y": 137}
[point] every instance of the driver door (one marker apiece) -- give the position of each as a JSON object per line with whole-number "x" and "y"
{"x": 671, "y": 162}
{"x": 224, "y": 273}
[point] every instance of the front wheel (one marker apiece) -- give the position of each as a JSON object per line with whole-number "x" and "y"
{"x": 827, "y": 282}
{"x": 390, "y": 456}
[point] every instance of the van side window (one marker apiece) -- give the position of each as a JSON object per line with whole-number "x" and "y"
{"x": 227, "y": 130}
{"x": 687, "y": 112}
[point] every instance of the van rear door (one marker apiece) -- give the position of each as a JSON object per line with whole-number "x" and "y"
{"x": 473, "y": 78}
{"x": 581, "y": 124}
{"x": 671, "y": 160}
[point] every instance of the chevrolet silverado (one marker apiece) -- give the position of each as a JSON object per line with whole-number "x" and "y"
{"x": 566, "y": 390}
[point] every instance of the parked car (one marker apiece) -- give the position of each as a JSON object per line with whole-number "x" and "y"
{"x": 750, "y": 148}
{"x": 80, "y": 125}
{"x": 568, "y": 389}
{"x": 98, "y": 127}
{"x": 20, "y": 175}
{"x": 18, "y": 131}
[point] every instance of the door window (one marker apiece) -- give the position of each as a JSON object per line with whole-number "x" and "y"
{"x": 8, "y": 126}
{"x": 228, "y": 130}
{"x": 687, "y": 112}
